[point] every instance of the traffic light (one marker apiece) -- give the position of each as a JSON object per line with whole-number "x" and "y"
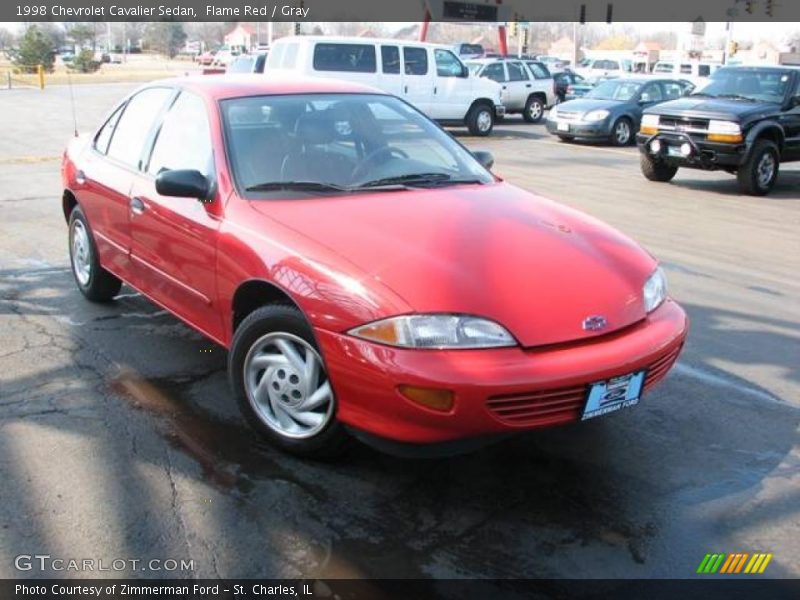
{"x": 733, "y": 49}
{"x": 748, "y": 6}
{"x": 513, "y": 28}
{"x": 769, "y": 7}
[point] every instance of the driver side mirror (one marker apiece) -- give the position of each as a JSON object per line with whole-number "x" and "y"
{"x": 183, "y": 183}
{"x": 795, "y": 101}
{"x": 644, "y": 99}
{"x": 485, "y": 158}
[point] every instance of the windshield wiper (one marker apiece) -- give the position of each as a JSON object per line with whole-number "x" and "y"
{"x": 304, "y": 186}
{"x": 417, "y": 179}
{"x": 737, "y": 97}
{"x": 703, "y": 94}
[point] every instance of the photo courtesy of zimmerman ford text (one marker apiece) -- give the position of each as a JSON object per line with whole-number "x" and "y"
{"x": 434, "y": 299}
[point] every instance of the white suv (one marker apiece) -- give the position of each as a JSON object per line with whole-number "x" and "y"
{"x": 527, "y": 85}
{"x": 429, "y": 76}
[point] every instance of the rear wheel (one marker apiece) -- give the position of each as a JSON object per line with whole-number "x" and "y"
{"x": 656, "y": 170}
{"x": 534, "y": 110}
{"x": 757, "y": 176}
{"x": 281, "y": 384}
{"x": 480, "y": 120}
{"x": 94, "y": 282}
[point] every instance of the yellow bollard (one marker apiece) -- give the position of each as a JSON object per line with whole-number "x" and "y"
{"x": 40, "y": 72}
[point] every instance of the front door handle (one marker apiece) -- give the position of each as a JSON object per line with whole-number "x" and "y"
{"x": 137, "y": 205}
{"x": 527, "y": 85}
{"x": 405, "y": 90}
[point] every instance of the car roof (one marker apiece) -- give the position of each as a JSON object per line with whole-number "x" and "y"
{"x": 358, "y": 40}
{"x": 762, "y": 67}
{"x": 219, "y": 87}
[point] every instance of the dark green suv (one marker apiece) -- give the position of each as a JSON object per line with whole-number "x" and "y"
{"x": 746, "y": 121}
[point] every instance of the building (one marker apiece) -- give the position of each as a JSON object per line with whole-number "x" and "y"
{"x": 645, "y": 56}
{"x": 242, "y": 35}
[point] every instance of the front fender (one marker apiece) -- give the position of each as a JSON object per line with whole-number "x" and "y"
{"x": 769, "y": 129}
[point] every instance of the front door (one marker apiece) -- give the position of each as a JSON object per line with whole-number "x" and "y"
{"x": 174, "y": 240}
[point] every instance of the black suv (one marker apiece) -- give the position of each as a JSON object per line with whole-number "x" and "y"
{"x": 746, "y": 121}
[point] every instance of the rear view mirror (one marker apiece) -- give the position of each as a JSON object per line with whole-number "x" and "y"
{"x": 183, "y": 183}
{"x": 485, "y": 158}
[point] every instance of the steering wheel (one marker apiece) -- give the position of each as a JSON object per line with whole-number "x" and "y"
{"x": 361, "y": 167}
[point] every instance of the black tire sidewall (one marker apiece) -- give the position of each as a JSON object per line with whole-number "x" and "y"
{"x": 472, "y": 119}
{"x": 526, "y": 112}
{"x": 270, "y": 319}
{"x": 750, "y": 173}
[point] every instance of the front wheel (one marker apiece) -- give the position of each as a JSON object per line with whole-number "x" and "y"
{"x": 534, "y": 110}
{"x": 281, "y": 384}
{"x": 758, "y": 174}
{"x": 656, "y": 170}
{"x": 622, "y": 132}
{"x": 94, "y": 282}
{"x": 480, "y": 120}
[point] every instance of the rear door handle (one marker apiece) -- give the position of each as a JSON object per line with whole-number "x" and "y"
{"x": 527, "y": 85}
{"x": 405, "y": 90}
{"x": 137, "y": 205}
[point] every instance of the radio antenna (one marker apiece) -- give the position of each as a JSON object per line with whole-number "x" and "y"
{"x": 72, "y": 104}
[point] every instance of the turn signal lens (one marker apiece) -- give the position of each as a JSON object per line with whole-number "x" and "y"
{"x": 648, "y": 129}
{"x": 725, "y": 137}
{"x": 441, "y": 400}
{"x": 649, "y": 124}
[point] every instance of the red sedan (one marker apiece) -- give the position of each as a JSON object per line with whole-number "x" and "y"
{"x": 367, "y": 273}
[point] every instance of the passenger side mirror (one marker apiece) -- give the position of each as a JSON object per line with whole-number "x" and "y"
{"x": 485, "y": 158}
{"x": 183, "y": 183}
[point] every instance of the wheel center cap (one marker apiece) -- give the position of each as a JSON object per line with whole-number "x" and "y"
{"x": 285, "y": 387}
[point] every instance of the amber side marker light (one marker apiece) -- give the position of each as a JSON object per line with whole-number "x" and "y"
{"x": 725, "y": 137}
{"x": 435, "y": 399}
{"x": 648, "y": 130}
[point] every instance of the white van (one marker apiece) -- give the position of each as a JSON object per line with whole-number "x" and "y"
{"x": 429, "y": 76}
{"x": 694, "y": 71}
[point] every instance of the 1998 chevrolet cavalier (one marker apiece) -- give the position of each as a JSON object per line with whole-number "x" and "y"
{"x": 367, "y": 273}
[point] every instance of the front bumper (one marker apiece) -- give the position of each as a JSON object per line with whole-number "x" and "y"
{"x": 581, "y": 129}
{"x": 705, "y": 155}
{"x": 497, "y": 391}
{"x": 499, "y": 111}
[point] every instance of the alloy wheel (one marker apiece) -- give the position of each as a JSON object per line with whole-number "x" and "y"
{"x": 81, "y": 253}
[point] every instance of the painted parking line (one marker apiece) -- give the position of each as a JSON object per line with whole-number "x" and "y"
{"x": 27, "y": 160}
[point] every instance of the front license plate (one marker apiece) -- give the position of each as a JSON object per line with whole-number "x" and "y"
{"x": 562, "y": 126}
{"x": 610, "y": 396}
{"x": 673, "y": 151}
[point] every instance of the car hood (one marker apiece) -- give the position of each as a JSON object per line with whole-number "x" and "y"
{"x": 712, "y": 108}
{"x": 532, "y": 265}
{"x": 584, "y": 105}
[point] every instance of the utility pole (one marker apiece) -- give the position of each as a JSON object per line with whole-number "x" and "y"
{"x": 728, "y": 40}
{"x": 574, "y": 46}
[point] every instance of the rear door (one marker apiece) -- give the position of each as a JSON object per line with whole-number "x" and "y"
{"x": 519, "y": 85}
{"x": 390, "y": 78}
{"x": 174, "y": 240}
{"x": 109, "y": 171}
{"x": 497, "y": 72}
{"x": 417, "y": 77}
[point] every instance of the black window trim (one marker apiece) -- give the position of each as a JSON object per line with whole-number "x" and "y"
{"x": 338, "y": 43}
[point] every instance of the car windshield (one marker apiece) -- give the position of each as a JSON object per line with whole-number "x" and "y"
{"x": 762, "y": 85}
{"x": 340, "y": 143}
{"x": 471, "y": 49}
{"x": 615, "y": 90}
{"x": 243, "y": 64}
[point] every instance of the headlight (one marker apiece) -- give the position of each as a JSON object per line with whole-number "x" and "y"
{"x": 724, "y": 131}
{"x": 655, "y": 290}
{"x": 649, "y": 124}
{"x": 595, "y": 115}
{"x": 436, "y": 331}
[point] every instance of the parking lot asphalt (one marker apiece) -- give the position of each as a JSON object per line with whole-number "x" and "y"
{"x": 118, "y": 438}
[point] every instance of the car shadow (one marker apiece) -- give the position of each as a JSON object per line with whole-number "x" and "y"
{"x": 786, "y": 187}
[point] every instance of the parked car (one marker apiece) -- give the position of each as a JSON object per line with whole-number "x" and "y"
{"x": 552, "y": 62}
{"x": 248, "y": 63}
{"x": 527, "y": 86}
{"x": 428, "y": 76}
{"x": 695, "y": 71}
{"x": 745, "y": 121}
{"x": 612, "y": 110}
{"x": 605, "y": 67}
{"x": 467, "y": 51}
{"x": 563, "y": 80}
{"x": 583, "y": 87}
{"x": 206, "y": 58}
{"x": 366, "y": 272}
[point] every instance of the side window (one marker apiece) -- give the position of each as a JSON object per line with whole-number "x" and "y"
{"x": 612, "y": 65}
{"x": 652, "y": 93}
{"x": 136, "y": 123}
{"x": 704, "y": 70}
{"x": 447, "y": 65}
{"x": 353, "y": 58}
{"x": 516, "y": 72}
{"x": 104, "y": 135}
{"x": 184, "y": 140}
{"x": 673, "y": 90}
{"x": 686, "y": 69}
{"x": 495, "y": 72}
{"x": 539, "y": 72}
{"x": 390, "y": 59}
{"x": 416, "y": 60}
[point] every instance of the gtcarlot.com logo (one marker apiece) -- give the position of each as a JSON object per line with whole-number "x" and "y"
{"x": 736, "y": 563}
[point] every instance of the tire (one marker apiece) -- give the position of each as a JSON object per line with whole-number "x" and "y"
{"x": 656, "y": 170}
{"x": 94, "y": 282}
{"x": 757, "y": 176}
{"x": 565, "y": 138}
{"x": 534, "y": 110}
{"x": 621, "y": 132}
{"x": 273, "y": 412}
{"x": 480, "y": 119}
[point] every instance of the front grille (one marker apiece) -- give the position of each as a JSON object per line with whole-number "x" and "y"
{"x": 681, "y": 124}
{"x": 562, "y": 405}
{"x": 569, "y": 116}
